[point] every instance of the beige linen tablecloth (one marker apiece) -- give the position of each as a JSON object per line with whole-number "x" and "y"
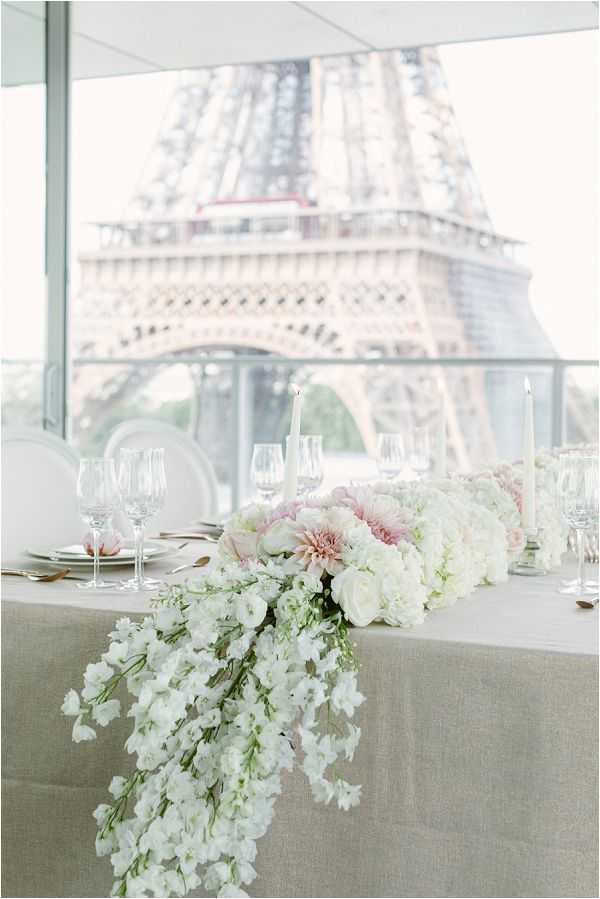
{"x": 477, "y": 759}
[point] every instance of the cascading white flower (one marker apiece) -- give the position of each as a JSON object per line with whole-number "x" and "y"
{"x": 214, "y": 714}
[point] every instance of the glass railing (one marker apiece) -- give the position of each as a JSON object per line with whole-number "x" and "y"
{"x": 228, "y": 403}
{"x": 23, "y": 393}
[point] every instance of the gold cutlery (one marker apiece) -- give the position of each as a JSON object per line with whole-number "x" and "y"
{"x": 199, "y": 563}
{"x": 587, "y": 603}
{"x": 169, "y": 535}
{"x": 45, "y": 576}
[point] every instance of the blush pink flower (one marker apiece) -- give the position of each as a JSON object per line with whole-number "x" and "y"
{"x": 318, "y": 539}
{"x": 240, "y": 545}
{"x": 283, "y": 510}
{"x": 504, "y": 477}
{"x": 109, "y": 544}
{"x": 318, "y": 551}
{"x": 516, "y": 540}
{"x": 383, "y": 514}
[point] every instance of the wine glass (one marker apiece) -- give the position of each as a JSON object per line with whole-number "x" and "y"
{"x": 577, "y": 488}
{"x": 143, "y": 486}
{"x": 310, "y": 463}
{"x": 391, "y": 455}
{"x": 98, "y": 498}
{"x": 420, "y": 454}
{"x": 267, "y": 469}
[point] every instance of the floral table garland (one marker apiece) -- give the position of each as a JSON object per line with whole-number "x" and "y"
{"x": 237, "y": 671}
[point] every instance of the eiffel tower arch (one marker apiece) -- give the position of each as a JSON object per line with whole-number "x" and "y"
{"x": 317, "y": 208}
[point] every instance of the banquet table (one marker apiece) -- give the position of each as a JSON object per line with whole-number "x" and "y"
{"x": 478, "y": 757}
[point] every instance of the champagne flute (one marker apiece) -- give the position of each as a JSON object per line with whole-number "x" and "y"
{"x": 143, "y": 486}
{"x": 391, "y": 457}
{"x": 577, "y": 488}
{"x": 420, "y": 455}
{"x": 98, "y": 498}
{"x": 310, "y": 463}
{"x": 267, "y": 469}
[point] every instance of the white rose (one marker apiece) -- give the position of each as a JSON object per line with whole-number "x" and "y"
{"x": 239, "y": 545}
{"x": 356, "y": 592}
{"x": 280, "y": 538}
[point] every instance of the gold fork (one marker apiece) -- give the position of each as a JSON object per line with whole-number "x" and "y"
{"x": 44, "y": 576}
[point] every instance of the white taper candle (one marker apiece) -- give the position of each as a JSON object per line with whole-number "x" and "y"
{"x": 290, "y": 483}
{"x": 528, "y": 508}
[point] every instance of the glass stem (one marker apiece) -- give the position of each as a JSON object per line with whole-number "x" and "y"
{"x": 96, "y": 539}
{"x": 580, "y": 558}
{"x": 138, "y": 533}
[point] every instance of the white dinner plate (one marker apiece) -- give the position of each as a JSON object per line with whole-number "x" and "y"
{"x": 75, "y": 556}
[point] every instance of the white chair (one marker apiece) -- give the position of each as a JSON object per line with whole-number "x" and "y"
{"x": 191, "y": 481}
{"x": 39, "y": 492}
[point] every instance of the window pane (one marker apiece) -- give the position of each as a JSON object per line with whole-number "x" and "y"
{"x": 379, "y": 206}
{"x": 23, "y": 215}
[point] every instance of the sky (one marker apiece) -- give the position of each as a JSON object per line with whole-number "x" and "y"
{"x": 527, "y": 109}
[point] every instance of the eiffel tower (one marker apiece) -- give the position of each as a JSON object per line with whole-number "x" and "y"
{"x": 315, "y": 208}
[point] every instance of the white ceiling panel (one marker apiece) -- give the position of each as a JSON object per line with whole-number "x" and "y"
{"x": 188, "y": 35}
{"x": 120, "y": 37}
{"x": 90, "y": 59}
{"x": 410, "y": 24}
{"x": 30, "y": 7}
{"x": 23, "y": 43}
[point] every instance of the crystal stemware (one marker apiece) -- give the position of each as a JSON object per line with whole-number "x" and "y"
{"x": 391, "y": 455}
{"x": 143, "y": 485}
{"x": 420, "y": 455}
{"x": 267, "y": 469}
{"x": 577, "y": 488}
{"x": 98, "y": 498}
{"x": 310, "y": 463}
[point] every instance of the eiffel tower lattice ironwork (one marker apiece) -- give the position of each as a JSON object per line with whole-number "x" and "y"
{"x": 315, "y": 208}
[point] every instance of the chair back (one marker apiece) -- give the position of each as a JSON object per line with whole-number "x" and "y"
{"x": 191, "y": 481}
{"x": 39, "y": 492}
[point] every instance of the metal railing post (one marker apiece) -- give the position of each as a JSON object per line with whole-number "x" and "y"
{"x": 58, "y": 91}
{"x": 558, "y": 404}
{"x": 238, "y": 451}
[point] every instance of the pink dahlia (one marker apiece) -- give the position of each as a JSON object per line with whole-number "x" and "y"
{"x": 319, "y": 551}
{"x": 384, "y": 515}
{"x": 319, "y": 544}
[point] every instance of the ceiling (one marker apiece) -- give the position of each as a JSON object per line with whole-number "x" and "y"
{"x": 123, "y": 37}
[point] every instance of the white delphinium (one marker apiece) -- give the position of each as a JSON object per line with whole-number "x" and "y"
{"x": 219, "y": 676}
